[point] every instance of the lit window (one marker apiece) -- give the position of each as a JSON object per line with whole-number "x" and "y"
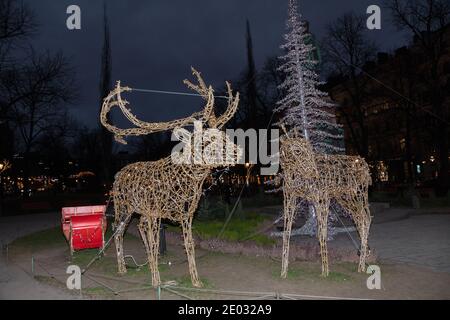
{"x": 382, "y": 171}
{"x": 402, "y": 144}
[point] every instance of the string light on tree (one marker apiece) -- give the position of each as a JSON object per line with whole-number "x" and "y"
{"x": 304, "y": 106}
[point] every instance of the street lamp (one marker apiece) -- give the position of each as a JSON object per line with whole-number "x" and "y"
{"x": 247, "y": 166}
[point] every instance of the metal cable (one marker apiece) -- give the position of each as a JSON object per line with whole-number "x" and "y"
{"x": 178, "y": 93}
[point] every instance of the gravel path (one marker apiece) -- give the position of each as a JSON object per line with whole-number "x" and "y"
{"x": 420, "y": 240}
{"x": 405, "y": 236}
{"x": 15, "y": 282}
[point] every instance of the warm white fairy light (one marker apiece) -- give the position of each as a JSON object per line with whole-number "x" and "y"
{"x": 304, "y": 106}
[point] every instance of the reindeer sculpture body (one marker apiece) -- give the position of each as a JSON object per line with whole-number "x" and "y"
{"x": 318, "y": 178}
{"x": 163, "y": 189}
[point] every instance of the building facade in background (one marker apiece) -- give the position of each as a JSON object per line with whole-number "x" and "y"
{"x": 397, "y": 114}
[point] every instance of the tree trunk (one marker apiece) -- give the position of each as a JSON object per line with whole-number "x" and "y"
{"x": 408, "y": 151}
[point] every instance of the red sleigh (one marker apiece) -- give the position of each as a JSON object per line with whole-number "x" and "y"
{"x": 84, "y": 227}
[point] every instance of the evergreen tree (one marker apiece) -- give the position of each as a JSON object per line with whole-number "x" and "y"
{"x": 304, "y": 106}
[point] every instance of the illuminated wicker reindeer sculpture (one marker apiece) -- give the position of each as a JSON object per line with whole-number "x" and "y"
{"x": 318, "y": 178}
{"x": 169, "y": 189}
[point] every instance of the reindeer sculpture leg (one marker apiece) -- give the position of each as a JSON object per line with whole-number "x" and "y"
{"x": 186, "y": 225}
{"x": 363, "y": 230}
{"x": 289, "y": 215}
{"x": 121, "y": 225}
{"x": 359, "y": 211}
{"x": 149, "y": 230}
{"x": 322, "y": 206}
{"x": 363, "y": 221}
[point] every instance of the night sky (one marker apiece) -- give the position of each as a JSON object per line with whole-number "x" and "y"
{"x": 154, "y": 43}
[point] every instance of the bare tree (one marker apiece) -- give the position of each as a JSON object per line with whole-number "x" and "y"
{"x": 85, "y": 148}
{"x": 347, "y": 50}
{"x": 53, "y": 144}
{"x": 46, "y": 84}
{"x": 17, "y": 24}
{"x": 253, "y": 109}
{"x": 270, "y": 79}
{"x": 152, "y": 147}
{"x": 34, "y": 87}
{"x": 428, "y": 21}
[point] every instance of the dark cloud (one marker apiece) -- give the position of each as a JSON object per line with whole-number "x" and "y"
{"x": 155, "y": 42}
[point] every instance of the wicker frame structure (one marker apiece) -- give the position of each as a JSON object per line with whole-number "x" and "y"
{"x": 162, "y": 189}
{"x": 4, "y": 165}
{"x": 318, "y": 178}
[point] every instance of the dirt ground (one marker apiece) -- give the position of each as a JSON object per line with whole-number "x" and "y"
{"x": 219, "y": 271}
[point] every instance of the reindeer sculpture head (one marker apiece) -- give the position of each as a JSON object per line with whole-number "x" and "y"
{"x": 171, "y": 187}
{"x": 297, "y": 154}
{"x": 207, "y": 145}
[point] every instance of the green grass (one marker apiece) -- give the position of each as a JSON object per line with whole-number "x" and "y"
{"x": 295, "y": 273}
{"x": 186, "y": 282}
{"x": 338, "y": 276}
{"x": 98, "y": 291}
{"x": 83, "y": 257}
{"x": 43, "y": 239}
{"x": 238, "y": 228}
{"x": 54, "y": 237}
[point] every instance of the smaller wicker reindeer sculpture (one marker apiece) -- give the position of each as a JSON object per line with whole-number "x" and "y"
{"x": 168, "y": 189}
{"x": 318, "y": 178}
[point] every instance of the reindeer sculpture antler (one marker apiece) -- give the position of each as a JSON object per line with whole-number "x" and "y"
{"x": 114, "y": 99}
{"x": 201, "y": 89}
